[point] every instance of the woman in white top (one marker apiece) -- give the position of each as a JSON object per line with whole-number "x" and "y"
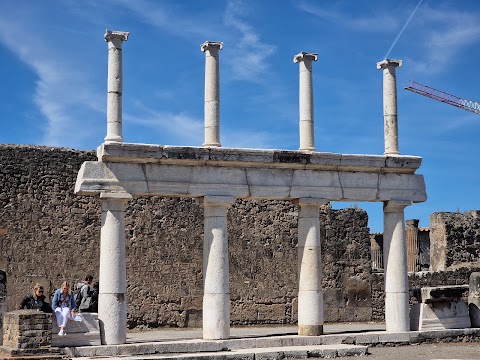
{"x": 64, "y": 305}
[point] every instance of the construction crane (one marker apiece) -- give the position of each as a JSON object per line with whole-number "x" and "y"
{"x": 444, "y": 97}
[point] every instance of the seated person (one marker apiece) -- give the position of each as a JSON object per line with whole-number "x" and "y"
{"x": 36, "y": 301}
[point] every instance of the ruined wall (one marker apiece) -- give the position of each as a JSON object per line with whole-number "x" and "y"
{"x": 416, "y": 281}
{"x": 53, "y": 235}
{"x": 454, "y": 240}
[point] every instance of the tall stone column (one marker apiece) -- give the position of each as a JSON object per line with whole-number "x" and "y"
{"x": 376, "y": 252}
{"x": 216, "y": 286}
{"x": 397, "y": 316}
{"x": 112, "y": 304}
{"x": 310, "y": 268}
{"x": 212, "y": 92}
{"x": 413, "y": 248}
{"x": 304, "y": 60}
{"x": 390, "y": 121}
{"x": 115, "y": 41}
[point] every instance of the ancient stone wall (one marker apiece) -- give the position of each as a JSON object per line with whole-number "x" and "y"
{"x": 417, "y": 280}
{"x": 53, "y": 234}
{"x": 454, "y": 240}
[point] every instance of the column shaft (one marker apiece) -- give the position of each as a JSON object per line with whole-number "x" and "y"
{"x": 216, "y": 293}
{"x": 397, "y": 316}
{"x": 115, "y": 41}
{"x": 212, "y": 92}
{"x": 304, "y": 60}
{"x": 413, "y": 249}
{"x": 112, "y": 305}
{"x": 390, "y": 121}
{"x": 310, "y": 268}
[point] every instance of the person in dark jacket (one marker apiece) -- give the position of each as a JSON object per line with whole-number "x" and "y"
{"x": 36, "y": 301}
{"x": 94, "y": 304}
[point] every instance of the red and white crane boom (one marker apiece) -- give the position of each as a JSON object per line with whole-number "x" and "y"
{"x": 444, "y": 97}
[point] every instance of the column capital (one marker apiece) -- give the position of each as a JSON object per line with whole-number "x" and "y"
{"x": 412, "y": 222}
{"x": 216, "y": 200}
{"x": 210, "y": 45}
{"x": 396, "y": 205}
{"x": 303, "y": 56}
{"x": 310, "y": 201}
{"x": 111, "y": 35}
{"x": 389, "y": 63}
{"x": 119, "y": 196}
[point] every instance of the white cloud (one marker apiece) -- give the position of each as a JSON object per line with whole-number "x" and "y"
{"x": 249, "y": 54}
{"x": 62, "y": 94}
{"x": 376, "y": 22}
{"x": 172, "y": 18}
{"x": 445, "y": 34}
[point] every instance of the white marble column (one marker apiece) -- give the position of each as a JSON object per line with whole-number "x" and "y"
{"x": 397, "y": 316}
{"x": 304, "y": 60}
{"x": 216, "y": 286}
{"x": 390, "y": 121}
{"x": 310, "y": 268}
{"x": 212, "y": 92}
{"x": 115, "y": 41}
{"x": 112, "y": 304}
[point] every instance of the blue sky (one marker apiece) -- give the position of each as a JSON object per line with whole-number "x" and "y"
{"x": 54, "y": 79}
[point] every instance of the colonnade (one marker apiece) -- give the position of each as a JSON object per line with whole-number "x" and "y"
{"x": 216, "y": 299}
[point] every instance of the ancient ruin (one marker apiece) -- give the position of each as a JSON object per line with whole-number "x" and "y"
{"x": 217, "y": 176}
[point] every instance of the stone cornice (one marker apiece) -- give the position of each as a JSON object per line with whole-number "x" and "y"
{"x": 120, "y": 152}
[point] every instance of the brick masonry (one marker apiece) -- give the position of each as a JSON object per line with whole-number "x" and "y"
{"x": 27, "y": 329}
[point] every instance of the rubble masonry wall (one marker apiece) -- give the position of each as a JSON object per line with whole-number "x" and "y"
{"x": 53, "y": 234}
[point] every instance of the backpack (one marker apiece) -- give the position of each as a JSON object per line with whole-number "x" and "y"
{"x": 77, "y": 294}
{"x": 83, "y": 303}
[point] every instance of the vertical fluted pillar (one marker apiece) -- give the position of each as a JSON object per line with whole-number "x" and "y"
{"x": 310, "y": 268}
{"x": 304, "y": 60}
{"x": 112, "y": 304}
{"x": 216, "y": 285}
{"x": 376, "y": 253}
{"x": 397, "y": 316}
{"x": 212, "y": 92}
{"x": 390, "y": 120}
{"x": 115, "y": 41}
{"x": 413, "y": 249}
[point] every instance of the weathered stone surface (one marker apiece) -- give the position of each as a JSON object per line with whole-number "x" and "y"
{"x": 440, "y": 316}
{"x": 443, "y": 293}
{"x": 164, "y": 240}
{"x": 17, "y": 333}
{"x": 455, "y": 240}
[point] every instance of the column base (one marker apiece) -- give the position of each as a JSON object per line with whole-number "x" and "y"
{"x": 216, "y": 316}
{"x": 113, "y": 139}
{"x": 308, "y": 149}
{"x": 215, "y": 144}
{"x": 310, "y": 330}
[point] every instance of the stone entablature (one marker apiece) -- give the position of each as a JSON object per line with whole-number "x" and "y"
{"x": 140, "y": 169}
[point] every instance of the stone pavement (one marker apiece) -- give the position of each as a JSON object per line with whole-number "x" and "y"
{"x": 282, "y": 342}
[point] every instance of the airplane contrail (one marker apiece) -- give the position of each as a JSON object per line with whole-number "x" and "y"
{"x": 403, "y": 29}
